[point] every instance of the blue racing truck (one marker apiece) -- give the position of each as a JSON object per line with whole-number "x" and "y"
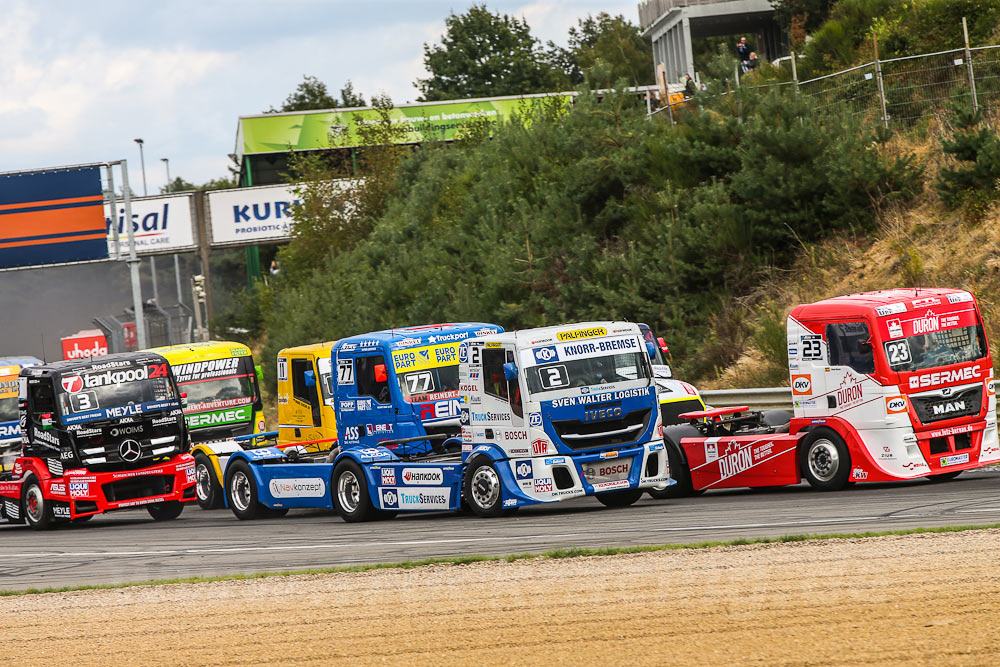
{"x": 437, "y": 418}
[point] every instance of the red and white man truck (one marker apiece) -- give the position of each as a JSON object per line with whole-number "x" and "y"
{"x": 889, "y": 385}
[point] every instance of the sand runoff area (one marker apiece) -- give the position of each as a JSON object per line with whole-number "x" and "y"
{"x": 915, "y": 599}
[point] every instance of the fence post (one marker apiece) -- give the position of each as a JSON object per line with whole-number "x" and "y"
{"x": 968, "y": 60}
{"x": 881, "y": 87}
{"x": 736, "y": 72}
{"x": 795, "y": 71}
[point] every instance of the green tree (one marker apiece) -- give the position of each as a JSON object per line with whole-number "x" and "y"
{"x": 486, "y": 55}
{"x": 311, "y": 93}
{"x": 610, "y": 45}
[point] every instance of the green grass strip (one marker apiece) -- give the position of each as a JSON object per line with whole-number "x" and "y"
{"x": 573, "y": 552}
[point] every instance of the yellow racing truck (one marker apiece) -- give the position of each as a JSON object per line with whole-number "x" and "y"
{"x": 305, "y": 396}
{"x": 221, "y": 387}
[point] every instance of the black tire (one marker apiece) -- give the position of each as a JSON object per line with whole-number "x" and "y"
{"x": 207, "y": 486}
{"x": 679, "y": 471}
{"x": 824, "y": 460}
{"x": 350, "y": 494}
{"x": 241, "y": 491}
{"x": 622, "y": 498}
{"x": 945, "y": 476}
{"x": 167, "y": 511}
{"x": 36, "y": 510}
{"x": 482, "y": 488}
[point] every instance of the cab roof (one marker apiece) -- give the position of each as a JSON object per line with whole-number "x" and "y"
{"x": 317, "y": 349}
{"x": 867, "y": 303}
{"x": 221, "y": 348}
{"x": 417, "y": 336}
{"x": 20, "y": 361}
{"x": 107, "y": 362}
{"x": 566, "y": 333}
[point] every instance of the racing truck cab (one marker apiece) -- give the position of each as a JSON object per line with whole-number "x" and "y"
{"x": 10, "y": 428}
{"x": 99, "y": 435}
{"x": 888, "y": 385}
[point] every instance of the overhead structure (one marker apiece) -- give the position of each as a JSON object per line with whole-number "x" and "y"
{"x": 672, "y": 24}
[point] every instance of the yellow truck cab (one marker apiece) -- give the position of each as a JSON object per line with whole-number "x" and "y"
{"x": 305, "y": 396}
{"x": 223, "y": 401}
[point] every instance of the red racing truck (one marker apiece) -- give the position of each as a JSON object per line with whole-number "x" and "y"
{"x": 98, "y": 435}
{"x": 887, "y": 385}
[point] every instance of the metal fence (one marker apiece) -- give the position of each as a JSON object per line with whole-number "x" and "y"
{"x": 899, "y": 92}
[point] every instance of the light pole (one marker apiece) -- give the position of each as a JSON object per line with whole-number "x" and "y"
{"x": 145, "y": 192}
{"x": 142, "y": 161}
{"x": 166, "y": 163}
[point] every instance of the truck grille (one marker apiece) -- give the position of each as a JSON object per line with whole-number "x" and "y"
{"x": 580, "y": 435}
{"x": 138, "y": 487}
{"x": 103, "y": 457}
{"x": 932, "y": 409}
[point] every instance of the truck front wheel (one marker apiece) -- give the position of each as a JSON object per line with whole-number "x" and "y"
{"x": 825, "y": 460}
{"x": 622, "y": 498}
{"x": 350, "y": 494}
{"x": 35, "y": 509}
{"x": 166, "y": 511}
{"x": 482, "y": 488}
{"x": 241, "y": 488}
{"x": 207, "y": 485}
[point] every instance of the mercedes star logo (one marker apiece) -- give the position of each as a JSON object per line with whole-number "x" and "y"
{"x": 130, "y": 450}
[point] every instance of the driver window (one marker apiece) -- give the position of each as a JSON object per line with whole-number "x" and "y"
{"x": 496, "y": 384}
{"x": 851, "y": 345}
{"x": 43, "y": 400}
{"x": 373, "y": 377}
{"x": 514, "y": 390}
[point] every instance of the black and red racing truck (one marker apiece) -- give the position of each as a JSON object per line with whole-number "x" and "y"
{"x": 889, "y": 385}
{"x": 96, "y": 436}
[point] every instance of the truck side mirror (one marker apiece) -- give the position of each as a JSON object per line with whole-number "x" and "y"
{"x": 184, "y": 399}
{"x": 46, "y": 421}
{"x": 651, "y": 350}
{"x": 260, "y": 373}
{"x": 663, "y": 346}
{"x": 310, "y": 377}
{"x": 510, "y": 371}
{"x": 380, "y": 374}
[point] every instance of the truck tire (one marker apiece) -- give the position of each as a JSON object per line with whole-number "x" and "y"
{"x": 482, "y": 488}
{"x": 36, "y": 510}
{"x": 241, "y": 490}
{"x": 166, "y": 511}
{"x": 679, "y": 471}
{"x": 622, "y": 498}
{"x": 207, "y": 486}
{"x": 350, "y": 494}
{"x": 825, "y": 460}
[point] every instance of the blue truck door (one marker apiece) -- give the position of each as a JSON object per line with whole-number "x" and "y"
{"x": 365, "y": 412}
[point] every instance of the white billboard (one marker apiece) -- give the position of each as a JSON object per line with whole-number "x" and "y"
{"x": 250, "y": 215}
{"x": 160, "y": 224}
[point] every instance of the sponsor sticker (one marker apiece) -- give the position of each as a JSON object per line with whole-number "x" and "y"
{"x": 961, "y": 297}
{"x": 522, "y": 470}
{"x": 895, "y": 404}
{"x": 578, "y": 334}
{"x": 388, "y": 477}
{"x": 534, "y": 419}
{"x": 891, "y": 309}
{"x": 955, "y": 459}
{"x": 424, "y": 476}
{"x": 544, "y": 355}
{"x": 895, "y": 328}
{"x": 543, "y": 485}
{"x": 301, "y": 487}
{"x": 802, "y": 385}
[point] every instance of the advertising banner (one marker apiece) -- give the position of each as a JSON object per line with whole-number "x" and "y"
{"x": 85, "y": 345}
{"x": 245, "y": 216}
{"x": 160, "y": 224}
{"x": 270, "y": 133}
{"x": 50, "y": 217}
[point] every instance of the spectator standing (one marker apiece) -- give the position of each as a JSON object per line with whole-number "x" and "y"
{"x": 690, "y": 88}
{"x": 743, "y": 54}
{"x": 752, "y": 62}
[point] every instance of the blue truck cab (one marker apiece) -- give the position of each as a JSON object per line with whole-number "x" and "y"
{"x": 10, "y": 427}
{"x": 396, "y": 398}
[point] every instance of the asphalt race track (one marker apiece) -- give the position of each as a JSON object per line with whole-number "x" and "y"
{"x": 129, "y": 546}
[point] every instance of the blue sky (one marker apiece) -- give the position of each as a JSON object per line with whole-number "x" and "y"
{"x": 79, "y": 81}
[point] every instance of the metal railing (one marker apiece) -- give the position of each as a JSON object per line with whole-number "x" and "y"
{"x": 650, "y": 10}
{"x": 766, "y": 398}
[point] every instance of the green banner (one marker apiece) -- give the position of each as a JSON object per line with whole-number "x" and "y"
{"x": 220, "y": 417}
{"x": 271, "y": 133}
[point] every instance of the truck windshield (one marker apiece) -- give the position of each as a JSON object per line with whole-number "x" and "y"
{"x": 89, "y": 391}
{"x": 588, "y": 371}
{"x": 430, "y": 384}
{"x": 938, "y": 348}
{"x": 225, "y": 385}
{"x": 8, "y": 408}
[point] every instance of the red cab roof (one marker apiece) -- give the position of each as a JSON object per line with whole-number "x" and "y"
{"x": 867, "y": 303}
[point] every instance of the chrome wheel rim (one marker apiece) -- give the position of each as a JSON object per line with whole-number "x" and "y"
{"x": 204, "y": 477}
{"x": 824, "y": 460}
{"x": 34, "y": 503}
{"x": 485, "y": 487}
{"x": 240, "y": 491}
{"x": 348, "y": 491}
